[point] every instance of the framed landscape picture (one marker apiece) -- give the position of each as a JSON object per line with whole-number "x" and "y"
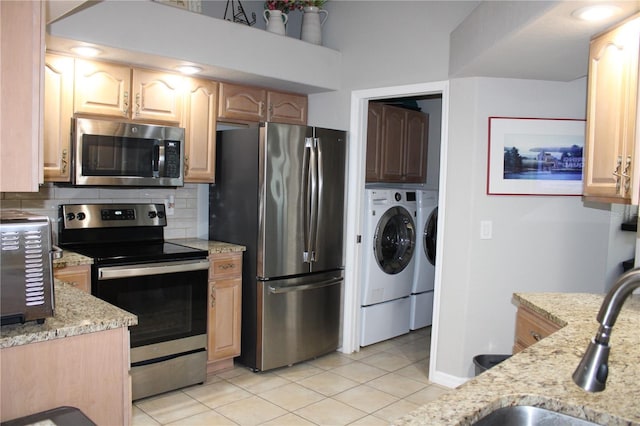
{"x": 535, "y": 156}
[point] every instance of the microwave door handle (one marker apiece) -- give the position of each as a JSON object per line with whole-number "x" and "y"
{"x": 160, "y": 164}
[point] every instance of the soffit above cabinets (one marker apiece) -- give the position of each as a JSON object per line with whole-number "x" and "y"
{"x": 150, "y": 34}
{"x": 527, "y": 39}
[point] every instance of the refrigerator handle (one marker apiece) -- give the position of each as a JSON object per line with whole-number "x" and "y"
{"x": 306, "y": 194}
{"x": 313, "y": 286}
{"x": 315, "y": 192}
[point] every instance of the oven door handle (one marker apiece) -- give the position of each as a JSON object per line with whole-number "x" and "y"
{"x": 126, "y": 271}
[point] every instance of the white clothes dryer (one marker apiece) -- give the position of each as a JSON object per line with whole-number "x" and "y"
{"x": 424, "y": 274}
{"x": 389, "y": 244}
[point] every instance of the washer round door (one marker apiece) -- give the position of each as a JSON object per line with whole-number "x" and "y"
{"x": 394, "y": 240}
{"x": 430, "y": 235}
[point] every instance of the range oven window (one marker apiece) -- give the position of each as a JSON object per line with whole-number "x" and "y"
{"x": 169, "y": 306}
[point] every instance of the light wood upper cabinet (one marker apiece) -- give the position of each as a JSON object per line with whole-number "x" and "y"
{"x": 397, "y": 143}
{"x": 247, "y": 104}
{"x": 611, "y": 134}
{"x": 225, "y": 309}
{"x": 242, "y": 103}
{"x": 157, "y": 96}
{"x": 286, "y": 108}
{"x": 21, "y": 104}
{"x": 200, "y": 117}
{"x": 58, "y": 110}
{"x": 102, "y": 88}
{"x": 120, "y": 91}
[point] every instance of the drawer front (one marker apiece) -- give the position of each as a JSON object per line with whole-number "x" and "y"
{"x": 531, "y": 328}
{"x": 223, "y": 266}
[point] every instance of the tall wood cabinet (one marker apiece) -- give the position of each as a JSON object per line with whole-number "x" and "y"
{"x": 199, "y": 122}
{"x": 397, "y": 143}
{"x": 22, "y": 30}
{"x": 58, "y": 110}
{"x": 247, "y": 104}
{"x": 225, "y": 310}
{"x": 611, "y": 151}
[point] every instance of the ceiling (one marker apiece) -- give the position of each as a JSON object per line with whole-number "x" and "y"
{"x": 527, "y": 39}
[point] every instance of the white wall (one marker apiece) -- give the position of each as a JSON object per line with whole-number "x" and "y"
{"x": 540, "y": 243}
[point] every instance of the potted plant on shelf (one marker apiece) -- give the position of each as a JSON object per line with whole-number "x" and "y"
{"x": 313, "y": 19}
{"x": 275, "y": 15}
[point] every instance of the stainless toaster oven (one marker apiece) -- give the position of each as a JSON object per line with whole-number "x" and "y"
{"x": 26, "y": 256}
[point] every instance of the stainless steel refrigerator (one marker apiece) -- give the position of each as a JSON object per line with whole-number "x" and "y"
{"x": 279, "y": 191}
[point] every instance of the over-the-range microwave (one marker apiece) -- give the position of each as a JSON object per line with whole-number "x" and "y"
{"x": 116, "y": 153}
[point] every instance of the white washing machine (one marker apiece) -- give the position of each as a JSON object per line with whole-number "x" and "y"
{"x": 424, "y": 274}
{"x": 389, "y": 244}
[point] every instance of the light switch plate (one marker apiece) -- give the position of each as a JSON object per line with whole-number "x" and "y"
{"x": 486, "y": 229}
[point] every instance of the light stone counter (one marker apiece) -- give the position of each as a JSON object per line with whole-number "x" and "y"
{"x": 541, "y": 374}
{"x": 75, "y": 313}
{"x": 70, "y": 258}
{"x": 213, "y": 247}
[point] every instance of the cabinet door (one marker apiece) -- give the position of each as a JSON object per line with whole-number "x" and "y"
{"x": 200, "y": 117}
{"x": 225, "y": 306}
{"x": 374, "y": 143}
{"x": 531, "y": 328}
{"x": 77, "y": 276}
{"x": 156, "y": 96}
{"x": 287, "y": 108}
{"x": 58, "y": 110}
{"x": 224, "y": 318}
{"x": 393, "y": 133}
{"x": 416, "y": 144}
{"x": 21, "y": 58}
{"x": 102, "y": 88}
{"x": 241, "y": 103}
{"x": 611, "y": 114}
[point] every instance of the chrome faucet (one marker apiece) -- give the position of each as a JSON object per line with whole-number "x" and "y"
{"x": 591, "y": 374}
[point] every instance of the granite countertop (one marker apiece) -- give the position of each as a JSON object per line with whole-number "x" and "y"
{"x": 76, "y": 312}
{"x": 213, "y": 247}
{"x": 70, "y": 258}
{"x": 541, "y": 374}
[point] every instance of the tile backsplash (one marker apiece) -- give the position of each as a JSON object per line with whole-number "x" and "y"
{"x": 182, "y": 224}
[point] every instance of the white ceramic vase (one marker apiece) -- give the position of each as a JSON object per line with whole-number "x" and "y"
{"x": 276, "y": 21}
{"x": 312, "y": 21}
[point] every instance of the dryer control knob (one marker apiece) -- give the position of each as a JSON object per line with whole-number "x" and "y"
{"x": 398, "y": 196}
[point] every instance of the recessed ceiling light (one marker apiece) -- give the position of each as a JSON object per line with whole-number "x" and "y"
{"x": 86, "y": 51}
{"x": 597, "y": 12}
{"x": 188, "y": 69}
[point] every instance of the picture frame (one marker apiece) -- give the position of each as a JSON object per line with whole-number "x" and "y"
{"x": 535, "y": 156}
{"x": 192, "y": 5}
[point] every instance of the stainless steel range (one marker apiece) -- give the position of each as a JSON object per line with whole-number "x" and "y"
{"x": 164, "y": 284}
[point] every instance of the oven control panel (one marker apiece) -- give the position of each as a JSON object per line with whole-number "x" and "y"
{"x": 80, "y": 216}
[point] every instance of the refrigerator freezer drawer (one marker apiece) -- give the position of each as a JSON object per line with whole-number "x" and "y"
{"x": 299, "y": 322}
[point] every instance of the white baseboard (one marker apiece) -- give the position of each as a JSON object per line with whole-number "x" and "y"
{"x": 447, "y": 380}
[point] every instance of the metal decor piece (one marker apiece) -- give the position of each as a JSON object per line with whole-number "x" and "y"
{"x": 239, "y": 16}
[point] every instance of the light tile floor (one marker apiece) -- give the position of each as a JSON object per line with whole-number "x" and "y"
{"x": 372, "y": 387}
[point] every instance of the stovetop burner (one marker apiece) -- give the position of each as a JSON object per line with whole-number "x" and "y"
{"x": 137, "y": 253}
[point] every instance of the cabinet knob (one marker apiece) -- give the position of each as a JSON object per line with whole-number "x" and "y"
{"x": 186, "y": 165}
{"x": 617, "y": 173}
{"x": 213, "y": 296}
{"x": 137, "y": 104}
{"x": 536, "y": 336}
{"x": 626, "y": 174}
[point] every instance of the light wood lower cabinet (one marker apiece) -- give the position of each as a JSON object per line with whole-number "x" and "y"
{"x": 77, "y": 276}
{"x": 89, "y": 372}
{"x": 225, "y": 304}
{"x": 531, "y": 327}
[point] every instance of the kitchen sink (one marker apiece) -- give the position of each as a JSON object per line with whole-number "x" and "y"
{"x": 522, "y": 415}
